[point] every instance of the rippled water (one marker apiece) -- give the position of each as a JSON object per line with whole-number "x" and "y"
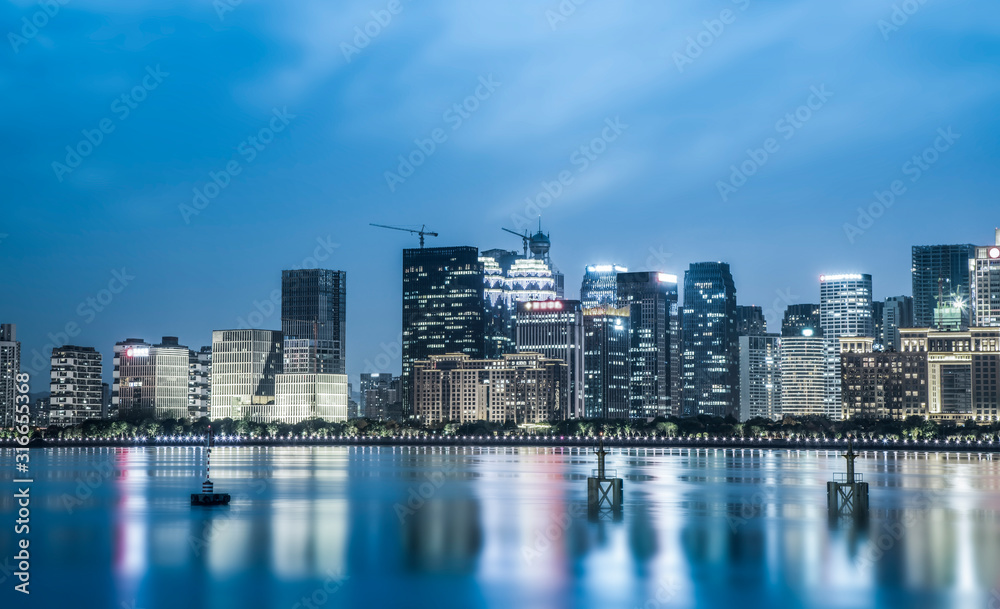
{"x": 468, "y": 527}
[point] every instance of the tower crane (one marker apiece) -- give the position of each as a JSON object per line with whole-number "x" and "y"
{"x": 525, "y": 238}
{"x": 420, "y": 232}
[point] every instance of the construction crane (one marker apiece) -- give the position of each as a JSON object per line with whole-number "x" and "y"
{"x": 420, "y": 232}
{"x": 525, "y": 238}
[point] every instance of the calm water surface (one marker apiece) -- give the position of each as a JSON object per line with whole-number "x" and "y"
{"x": 492, "y": 527}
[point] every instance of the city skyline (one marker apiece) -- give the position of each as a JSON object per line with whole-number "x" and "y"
{"x": 136, "y": 223}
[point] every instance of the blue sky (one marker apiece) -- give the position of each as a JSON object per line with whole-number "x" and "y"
{"x": 300, "y": 118}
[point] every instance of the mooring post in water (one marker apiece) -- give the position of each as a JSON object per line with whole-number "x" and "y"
{"x": 850, "y": 497}
{"x": 604, "y": 494}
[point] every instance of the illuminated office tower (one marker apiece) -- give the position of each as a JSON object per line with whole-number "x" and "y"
{"x": 985, "y": 270}
{"x": 600, "y": 285}
{"x": 313, "y": 321}
{"x": 606, "y": 363}
{"x": 750, "y": 320}
{"x": 75, "y": 387}
{"x": 651, "y": 299}
{"x": 554, "y": 328}
{"x": 299, "y": 397}
{"x": 443, "y": 307}
{"x": 380, "y": 393}
{"x": 799, "y": 317}
{"x": 245, "y": 364}
{"x": 845, "y": 303}
{"x": 711, "y": 346}
{"x": 760, "y": 376}
{"x": 150, "y": 381}
{"x": 803, "y": 364}
{"x": 10, "y": 367}
{"x": 938, "y": 269}
{"x": 881, "y": 384}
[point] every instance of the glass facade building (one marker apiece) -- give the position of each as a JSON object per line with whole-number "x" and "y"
{"x": 245, "y": 364}
{"x": 605, "y": 363}
{"x": 554, "y": 328}
{"x": 799, "y": 317}
{"x": 651, "y": 299}
{"x": 711, "y": 346}
{"x": 150, "y": 381}
{"x": 938, "y": 269}
{"x": 600, "y": 285}
{"x": 845, "y": 303}
{"x": 313, "y": 320}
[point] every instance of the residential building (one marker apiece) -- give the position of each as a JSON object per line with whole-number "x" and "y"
{"x": 199, "y": 382}
{"x": 802, "y": 360}
{"x": 383, "y": 399}
{"x": 75, "y": 388}
{"x": 10, "y": 367}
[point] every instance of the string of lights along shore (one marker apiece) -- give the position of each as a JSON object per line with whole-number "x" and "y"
{"x": 488, "y": 335}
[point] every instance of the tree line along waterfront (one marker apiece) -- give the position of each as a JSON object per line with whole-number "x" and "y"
{"x": 699, "y": 428}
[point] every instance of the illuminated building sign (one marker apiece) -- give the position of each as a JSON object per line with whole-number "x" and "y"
{"x": 137, "y": 352}
{"x": 666, "y": 278}
{"x": 846, "y": 277}
{"x": 546, "y": 305}
{"x": 995, "y": 252}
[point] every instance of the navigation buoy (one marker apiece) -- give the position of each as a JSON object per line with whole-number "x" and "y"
{"x": 208, "y": 496}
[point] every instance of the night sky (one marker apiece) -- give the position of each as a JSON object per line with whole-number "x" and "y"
{"x": 287, "y": 118}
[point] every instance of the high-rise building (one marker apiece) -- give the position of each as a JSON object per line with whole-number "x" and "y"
{"x": 963, "y": 371}
{"x": 299, "y": 397}
{"x": 382, "y": 397}
{"x": 75, "y": 387}
{"x": 518, "y": 388}
{"x": 711, "y": 347}
{"x": 10, "y": 367}
{"x": 443, "y": 307}
{"x": 803, "y": 374}
{"x": 554, "y": 328}
{"x": 799, "y": 317}
{"x": 750, "y": 320}
{"x": 606, "y": 363}
{"x": 245, "y": 364}
{"x": 498, "y": 315}
{"x": 938, "y": 269}
{"x": 881, "y": 384}
{"x": 878, "y": 332}
{"x": 199, "y": 382}
{"x": 654, "y": 343}
{"x": 600, "y": 285}
{"x": 897, "y": 313}
{"x": 985, "y": 269}
{"x": 313, "y": 321}
{"x": 760, "y": 376}
{"x": 150, "y": 381}
{"x": 845, "y": 303}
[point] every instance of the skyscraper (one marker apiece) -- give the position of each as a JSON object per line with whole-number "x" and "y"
{"x": 878, "y": 330}
{"x": 711, "y": 347}
{"x": 897, "y": 313}
{"x": 381, "y": 396}
{"x": 799, "y": 317}
{"x": 600, "y": 285}
{"x": 443, "y": 307}
{"x": 10, "y": 367}
{"x": 313, "y": 321}
{"x": 938, "y": 268}
{"x": 199, "y": 382}
{"x": 760, "y": 376}
{"x": 245, "y": 364}
{"x": 606, "y": 363}
{"x": 750, "y": 320}
{"x": 554, "y": 328}
{"x": 985, "y": 268}
{"x": 803, "y": 374}
{"x": 845, "y": 303}
{"x": 75, "y": 387}
{"x": 651, "y": 299}
{"x": 150, "y": 381}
